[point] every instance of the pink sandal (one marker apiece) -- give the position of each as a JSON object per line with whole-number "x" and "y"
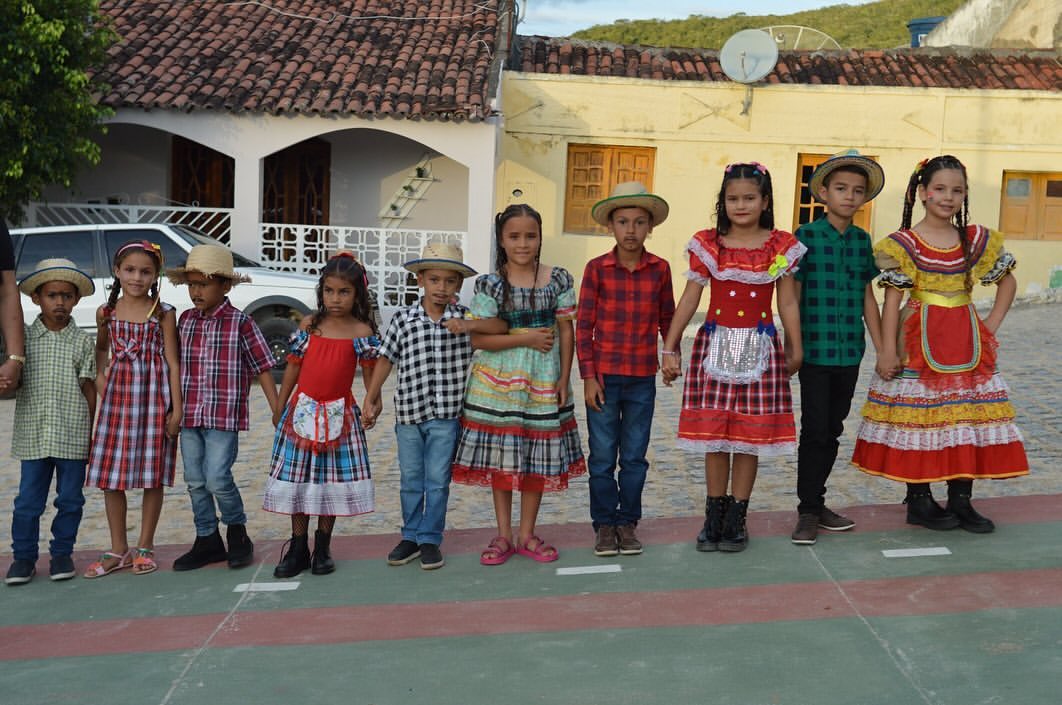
{"x": 541, "y": 552}
{"x": 498, "y": 551}
{"x": 144, "y": 562}
{"x": 99, "y": 568}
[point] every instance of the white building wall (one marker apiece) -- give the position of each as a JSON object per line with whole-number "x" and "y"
{"x": 134, "y": 168}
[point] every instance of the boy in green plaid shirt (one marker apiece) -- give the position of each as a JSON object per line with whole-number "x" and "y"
{"x": 53, "y": 419}
{"x": 836, "y": 303}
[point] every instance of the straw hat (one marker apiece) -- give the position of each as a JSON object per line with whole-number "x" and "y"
{"x": 441, "y": 255}
{"x": 210, "y": 261}
{"x": 57, "y": 270}
{"x": 849, "y": 157}
{"x": 630, "y": 194}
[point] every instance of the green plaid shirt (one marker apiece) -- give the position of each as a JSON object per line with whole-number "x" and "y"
{"x": 51, "y": 414}
{"x": 833, "y": 276}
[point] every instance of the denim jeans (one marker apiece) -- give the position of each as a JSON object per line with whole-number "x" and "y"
{"x": 425, "y": 453}
{"x": 825, "y": 399}
{"x": 32, "y": 496}
{"x": 621, "y": 429}
{"x": 208, "y": 457}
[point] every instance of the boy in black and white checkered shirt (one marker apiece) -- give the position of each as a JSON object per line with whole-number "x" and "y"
{"x": 431, "y": 345}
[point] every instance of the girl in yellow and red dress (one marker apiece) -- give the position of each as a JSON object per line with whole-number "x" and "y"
{"x": 736, "y": 405}
{"x": 938, "y": 409}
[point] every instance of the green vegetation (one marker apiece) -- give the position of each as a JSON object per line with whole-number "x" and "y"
{"x": 876, "y": 25}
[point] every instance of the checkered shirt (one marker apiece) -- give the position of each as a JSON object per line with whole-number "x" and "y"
{"x": 432, "y": 364}
{"x": 51, "y": 414}
{"x": 622, "y": 314}
{"x": 833, "y": 276}
{"x": 221, "y": 352}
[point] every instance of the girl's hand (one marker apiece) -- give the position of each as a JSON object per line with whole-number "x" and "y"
{"x": 173, "y": 424}
{"x": 371, "y": 412}
{"x": 457, "y": 326}
{"x": 887, "y": 365}
{"x": 992, "y": 324}
{"x": 540, "y": 339}
{"x": 276, "y": 416}
{"x": 562, "y": 395}
{"x": 670, "y": 368}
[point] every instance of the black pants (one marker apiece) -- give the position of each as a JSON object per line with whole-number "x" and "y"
{"x": 825, "y": 399}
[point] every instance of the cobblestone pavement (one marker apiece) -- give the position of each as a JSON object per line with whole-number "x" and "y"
{"x": 1030, "y": 345}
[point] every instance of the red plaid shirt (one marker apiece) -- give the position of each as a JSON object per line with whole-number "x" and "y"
{"x": 620, "y": 315}
{"x": 221, "y": 351}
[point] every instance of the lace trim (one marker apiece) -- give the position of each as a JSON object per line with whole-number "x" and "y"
{"x": 728, "y": 446}
{"x": 761, "y": 275}
{"x": 1003, "y": 266}
{"x": 900, "y": 438}
{"x": 896, "y": 279}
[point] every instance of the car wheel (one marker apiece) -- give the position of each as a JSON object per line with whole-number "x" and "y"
{"x": 277, "y": 333}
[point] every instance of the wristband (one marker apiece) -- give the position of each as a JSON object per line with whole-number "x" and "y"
{"x": 677, "y": 353}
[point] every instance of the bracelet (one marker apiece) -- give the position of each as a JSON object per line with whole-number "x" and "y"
{"x": 20, "y": 359}
{"x": 677, "y": 353}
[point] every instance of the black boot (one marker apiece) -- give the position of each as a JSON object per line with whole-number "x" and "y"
{"x": 206, "y": 549}
{"x": 714, "y": 510}
{"x": 295, "y": 560}
{"x": 241, "y": 550}
{"x": 959, "y": 504}
{"x": 923, "y": 510}
{"x": 735, "y": 534}
{"x": 322, "y": 557}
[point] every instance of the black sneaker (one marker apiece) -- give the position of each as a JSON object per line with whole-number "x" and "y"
{"x": 403, "y": 553}
{"x": 21, "y": 571}
{"x": 431, "y": 557}
{"x": 61, "y": 568}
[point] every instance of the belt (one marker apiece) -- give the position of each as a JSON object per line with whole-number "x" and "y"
{"x": 928, "y": 297}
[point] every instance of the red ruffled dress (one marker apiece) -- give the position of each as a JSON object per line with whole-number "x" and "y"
{"x": 736, "y": 397}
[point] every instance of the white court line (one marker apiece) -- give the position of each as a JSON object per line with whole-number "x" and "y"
{"x": 266, "y": 587}
{"x": 916, "y": 552}
{"x": 590, "y": 569}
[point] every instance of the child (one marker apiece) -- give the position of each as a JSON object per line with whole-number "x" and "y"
{"x": 736, "y": 400}
{"x": 836, "y": 299}
{"x": 320, "y": 461}
{"x": 939, "y": 409}
{"x": 429, "y": 341}
{"x": 53, "y": 419}
{"x": 221, "y": 350}
{"x": 518, "y": 427}
{"x": 625, "y": 306}
{"x": 135, "y": 445}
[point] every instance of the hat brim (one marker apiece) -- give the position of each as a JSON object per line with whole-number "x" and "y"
{"x": 35, "y": 280}
{"x": 179, "y": 275}
{"x": 419, "y": 265}
{"x": 654, "y": 205}
{"x": 875, "y": 175}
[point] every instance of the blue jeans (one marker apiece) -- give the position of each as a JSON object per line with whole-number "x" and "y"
{"x": 32, "y": 496}
{"x": 208, "y": 457}
{"x": 425, "y": 453}
{"x": 621, "y": 429}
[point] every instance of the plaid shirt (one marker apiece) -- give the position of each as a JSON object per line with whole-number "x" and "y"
{"x": 51, "y": 414}
{"x": 221, "y": 351}
{"x": 432, "y": 364}
{"x": 833, "y": 276}
{"x": 621, "y": 313}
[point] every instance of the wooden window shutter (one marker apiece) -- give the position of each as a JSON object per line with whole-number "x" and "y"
{"x": 592, "y": 172}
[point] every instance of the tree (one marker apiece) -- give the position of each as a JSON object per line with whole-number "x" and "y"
{"x": 49, "y": 109}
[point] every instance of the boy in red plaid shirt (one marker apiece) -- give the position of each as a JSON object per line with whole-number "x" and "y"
{"x": 625, "y": 305}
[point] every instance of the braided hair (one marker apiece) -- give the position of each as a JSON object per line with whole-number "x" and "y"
{"x": 922, "y": 176}
{"x": 151, "y": 250}
{"x": 502, "y": 260}
{"x": 756, "y": 172}
{"x": 347, "y": 267}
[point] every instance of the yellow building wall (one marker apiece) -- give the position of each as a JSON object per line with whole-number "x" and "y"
{"x": 697, "y": 129}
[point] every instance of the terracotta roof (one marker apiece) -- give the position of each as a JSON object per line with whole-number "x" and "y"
{"x": 927, "y": 67}
{"x": 416, "y": 59}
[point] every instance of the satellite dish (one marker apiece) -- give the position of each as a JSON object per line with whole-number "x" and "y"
{"x": 795, "y": 37}
{"x": 748, "y": 55}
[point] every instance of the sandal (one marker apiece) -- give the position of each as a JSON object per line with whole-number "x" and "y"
{"x": 541, "y": 552}
{"x": 99, "y": 568}
{"x": 144, "y": 562}
{"x": 499, "y": 550}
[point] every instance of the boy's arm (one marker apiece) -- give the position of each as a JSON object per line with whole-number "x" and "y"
{"x": 586, "y": 322}
{"x": 88, "y": 390}
{"x": 373, "y": 405}
{"x": 269, "y": 388}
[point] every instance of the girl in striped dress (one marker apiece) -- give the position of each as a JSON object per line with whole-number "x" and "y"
{"x": 518, "y": 427}
{"x": 135, "y": 443}
{"x": 320, "y": 461}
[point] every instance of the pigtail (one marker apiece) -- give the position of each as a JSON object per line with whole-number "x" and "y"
{"x": 116, "y": 291}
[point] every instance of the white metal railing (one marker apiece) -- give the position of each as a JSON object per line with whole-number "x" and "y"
{"x": 214, "y": 222}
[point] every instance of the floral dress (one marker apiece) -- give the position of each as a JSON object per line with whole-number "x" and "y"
{"x": 514, "y": 433}
{"x": 320, "y": 462}
{"x": 736, "y": 397}
{"x": 947, "y": 415}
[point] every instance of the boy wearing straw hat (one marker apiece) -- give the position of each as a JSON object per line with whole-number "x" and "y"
{"x": 222, "y": 349}
{"x": 626, "y": 303}
{"x": 430, "y": 343}
{"x": 836, "y": 305}
{"x": 53, "y": 419}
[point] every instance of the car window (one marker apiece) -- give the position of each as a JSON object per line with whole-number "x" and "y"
{"x": 78, "y": 246}
{"x": 172, "y": 255}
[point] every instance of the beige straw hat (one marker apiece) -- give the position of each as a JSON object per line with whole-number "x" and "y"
{"x": 57, "y": 270}
{"x": 849, "y": 157}
{"x": 210, "y": 261}
{"x": 630, "y": 194}
{"x": 441, "y": 255}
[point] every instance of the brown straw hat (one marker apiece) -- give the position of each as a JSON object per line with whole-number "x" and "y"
{"x": 210, "y": 261}
{"x": 441, "y": 255}
{"x": 630, "y": 194}
{"x": 849, "y": 157}
{"x": 57, "y": 270}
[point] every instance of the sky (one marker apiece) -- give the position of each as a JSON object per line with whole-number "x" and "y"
{"x": 559, "y": 18}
